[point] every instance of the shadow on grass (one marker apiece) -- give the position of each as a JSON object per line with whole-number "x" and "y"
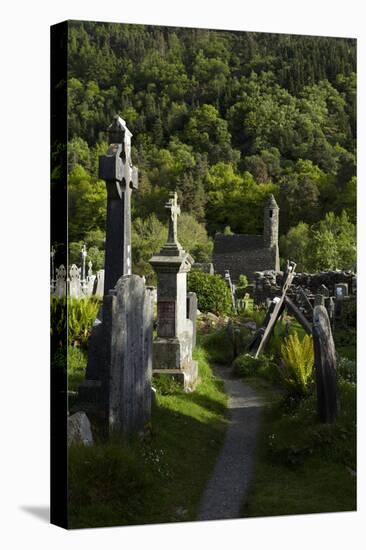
{"x": 160, "y": 480}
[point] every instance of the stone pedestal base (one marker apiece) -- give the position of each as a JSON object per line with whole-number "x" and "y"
{"x": 173, "y": 357}
{"x": 186, "y": 377}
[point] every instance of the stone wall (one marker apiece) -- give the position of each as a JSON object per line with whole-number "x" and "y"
{"x": 268, "y": 283}
{"x": 245, "y": 262}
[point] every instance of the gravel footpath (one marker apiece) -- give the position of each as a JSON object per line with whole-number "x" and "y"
{"x": 228, "y": 486}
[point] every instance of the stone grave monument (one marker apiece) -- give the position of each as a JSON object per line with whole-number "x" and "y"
{"x": 118, "y": 376}
{"x": 60, "y": 285}
{"x": 325, "y": 366}
{"x": 192, "y": 314}
{"x": 75, "y": 289}
{"x": 172, "y": 348}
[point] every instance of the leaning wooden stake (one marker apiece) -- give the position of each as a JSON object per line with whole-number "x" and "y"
{"x": 276, "y": 308}
{"x": 325, "y": 366}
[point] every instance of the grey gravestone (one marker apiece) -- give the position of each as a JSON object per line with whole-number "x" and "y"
{"x": 90, "y": 280}
{"x": 79, "y": 429}
{"x": 172, "y": 349}
{"x": 98, "y": 288}
{"x": 341, "y": 290}
{"x": 75, "y": 283}
{"x": 127, "y": 320}
{"x": 206, "y": 267}
{"x": 118, "y": 381}
{"x": 192, "y": 314}
{"x": 60, "y": 286}
{"x": 325, "y": 366}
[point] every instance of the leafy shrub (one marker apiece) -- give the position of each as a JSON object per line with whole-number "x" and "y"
{"x": 346, "y": 369}
{"x": 243, "y": 281}
{"x": 213, "y": 294}
{"x": 256, "y": 313}
{"x": 296, "y": 369}
{"x": 348, "y": 316}
{"x": 247, "y": 365}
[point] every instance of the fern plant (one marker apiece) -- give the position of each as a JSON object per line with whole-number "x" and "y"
{"x": 81, "y": 315}
{"x": 77, "y": 314}
{"x": 297, "y": 363}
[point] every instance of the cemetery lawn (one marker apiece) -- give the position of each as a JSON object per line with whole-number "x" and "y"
{"x": 157, "y": 478}
{"x": 304, "y": 466}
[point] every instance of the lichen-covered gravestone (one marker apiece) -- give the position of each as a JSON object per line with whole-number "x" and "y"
{"x": 325, "y": 366}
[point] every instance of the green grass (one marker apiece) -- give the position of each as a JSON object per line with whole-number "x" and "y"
{"x": 158, "y": 478}
{"x": 76, "y": 365}
{"x": 345, "y": 342}
{"x": 217, "y": 345}
{"x": 304, "y": 466}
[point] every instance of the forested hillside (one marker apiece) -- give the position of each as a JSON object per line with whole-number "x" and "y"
{"x": 224, "y": 118}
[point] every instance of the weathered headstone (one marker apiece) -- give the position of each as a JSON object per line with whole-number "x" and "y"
{"x": 192, "y": 314}
{"x": 205, "y": 267}
{"x": 172, "y": 349}
{"x": 90, "y": 280}
{"x": 127, "y": 318}
{"x": 79, "y": 429}
{"x": 75, "y": 283}
{"x": 98, "y": 288}
{"x": 341, "y": 293}
{"x": 325, "y": 366}
{"x": 60, "y": 286}
{"x": 341, "y": 290}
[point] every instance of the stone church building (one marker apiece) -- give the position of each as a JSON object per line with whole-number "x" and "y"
{"x": 245, "y": 254}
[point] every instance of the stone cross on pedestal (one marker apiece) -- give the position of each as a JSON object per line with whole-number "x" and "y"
{"x": 174, "y": 208}
{"x": 116, "y": 168}
{"x": 118, "y": 375}
{"x": 172, "y": 247}
{"x": 172, "y": 348}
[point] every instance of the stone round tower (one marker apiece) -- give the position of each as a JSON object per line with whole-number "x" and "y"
{"x": 271, "y": 221}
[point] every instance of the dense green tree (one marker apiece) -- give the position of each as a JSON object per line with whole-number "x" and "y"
{"x": 222, "y": 117}
{"x": 328, "y": 244}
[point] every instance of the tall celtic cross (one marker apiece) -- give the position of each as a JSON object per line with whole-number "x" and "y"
{"x": 174, "y": 208}
{"x": 121, "y": 177}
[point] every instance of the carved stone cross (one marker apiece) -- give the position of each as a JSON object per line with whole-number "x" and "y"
{"x": 174, "y": 208}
